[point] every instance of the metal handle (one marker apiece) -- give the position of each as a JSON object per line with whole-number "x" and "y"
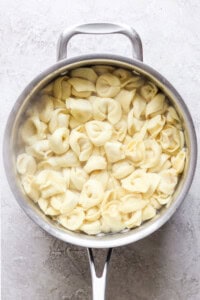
{"x": 98, "y": 282}
{"x": 100, "y": 28}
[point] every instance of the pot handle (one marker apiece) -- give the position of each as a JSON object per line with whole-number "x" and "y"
{"x": 98, "y": 282}
{"x": 100, "y": 28}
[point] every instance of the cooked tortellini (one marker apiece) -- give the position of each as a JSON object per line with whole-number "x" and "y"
{"x": 91, "y": 194}
{"x": 114, "y": 151}
{"x": 61, "y": 88}
{"x": 107, "y": 108}
{"x": 95, "y": 162}
{"x": 26, "y": 164}
{"x": 108, "y": 85}
{"x": 102, "y": 150}
{"x": 80, "y": 109}
{"x": 80, "y": 143}
{"x": 125, "y": 99}
{"x": 99, "y": 132}
{"x": 59, "y": 140}
{"x": 81, "y": 87}
{"x": 59, "y": 118}
{"x": 85, "y": 73}
{"x": 33, "y": 130}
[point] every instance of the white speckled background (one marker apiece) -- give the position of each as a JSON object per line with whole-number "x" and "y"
{"x": 164, "y": 266}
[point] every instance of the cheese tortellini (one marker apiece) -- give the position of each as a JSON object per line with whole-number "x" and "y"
{"x": 102, "y": 150}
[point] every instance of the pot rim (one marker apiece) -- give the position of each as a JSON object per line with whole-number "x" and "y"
{"x": 110, "y": 240}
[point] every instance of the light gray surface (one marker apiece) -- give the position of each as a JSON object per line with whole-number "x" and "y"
{"x": 164, "y": 266}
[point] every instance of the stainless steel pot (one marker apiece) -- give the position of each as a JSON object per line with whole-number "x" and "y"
{"x": 62, "y": 67}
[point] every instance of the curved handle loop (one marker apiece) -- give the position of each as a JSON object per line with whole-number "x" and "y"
{"x": 98, "y": 282}
{"x": 100, "y": 28}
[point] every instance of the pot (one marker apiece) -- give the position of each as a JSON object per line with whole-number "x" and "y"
{"x": 63, "y": 65}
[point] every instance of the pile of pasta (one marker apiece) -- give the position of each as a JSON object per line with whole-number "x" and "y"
{"x": 103, "y": 150}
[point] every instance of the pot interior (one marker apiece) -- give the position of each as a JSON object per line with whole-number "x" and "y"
{"x": 12, "y": 147}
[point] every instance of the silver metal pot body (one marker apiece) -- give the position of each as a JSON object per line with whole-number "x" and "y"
{"x": 16, "y": 116}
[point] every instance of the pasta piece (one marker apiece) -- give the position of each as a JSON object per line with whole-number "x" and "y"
{"x": 26, "y": 164}
{"x": 154, "y": 202}
{"x": 148, "y": 90}
{"x": 109, "y": 196}
{"x": 168, "y": 181}
{"x": 67, "y": 176}
{"x": 73, "y": 123}
{"x": 81, "y": 87}
{"x": 98, "y": 132}
{"x": 80, "y": 109}
{"x": 156, "y": 106}
{"x": 59, "y": 118}
{"x": 59, "y": 140}
{"x": 40, "y": 149}
{"x": 33, "y": 130}
{"x": 164, "y": 163}
{"x": 101, "y": 176}
{"x": 171, "y": 139}
{"x": 93, "y": 214}
{"x": 155, "y": 125}
{"x": 139, "y": 106}
{"x": 107, "y": 85}
{"x": 134, "y": 220}
{"x": 111, "y": 217}
{"x": 152, "y": 154}
{"x": 154, "y": 181}
{"x": 120, "y": 130}
{"x": 134, "y": 124}
{"x": 135, "y": 151}
{"x": 74, "y": 220}
{"x": 162, "y": 198}
{"x": 62, "y": 88}
{"x": 95, "y": 162}
{"x": 122, "y": 169}
{"x": 101, "y": 69}
{"x": 66, "y": 202}
{"x": 148, "y": 212}
{"x": 85, "y": 73}
{"x": 133, "y": 83}
{"x": 91, "y": 194}
{"x": 113, "y": 183}
{"x": 80, "y": 144}
{"x": 78, "y": 177}
{"x": 137, "y": 182}
{"x": 178, "y": 161}
{"x": 125, "y": 99}
{"x": 107, "y": 108}
{"x": 128, "y": 139}
{"x": 45, "y": 108}
{"x": 50, "y": 183}
{"x": 30, "y": 187}
{"x": 91, "y": 228}
{"x": 140, "y": 135}
{"x": 114, "y": 151}
{"x": 51, "y": 212}
{"x": 172, "y": 116}
{"x": 131, "y": 203}
{"x": 45, "y": 206}
{"x": 58, "y": 103}
{"x": 99, "y": 151}
{"x": 122, "y": 74}
{"x": 48, "y": 89}
{"x": 69, "y": 159}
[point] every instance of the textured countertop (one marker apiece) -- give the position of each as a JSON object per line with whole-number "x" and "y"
{"x": 164, "y": 266}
